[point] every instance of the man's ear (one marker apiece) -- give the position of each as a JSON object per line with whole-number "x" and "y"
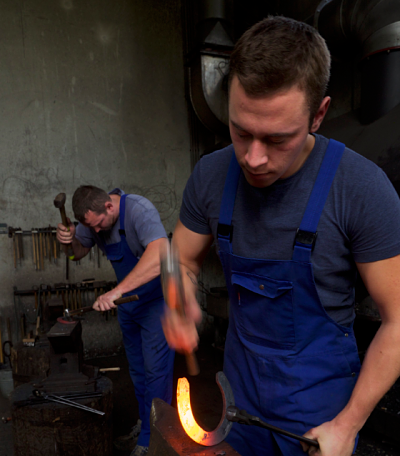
{"x": 109, "y": 206}
{"x": 319, "y": 117}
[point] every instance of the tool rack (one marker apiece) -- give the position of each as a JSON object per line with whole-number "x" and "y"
{"x": 44, "y": 246}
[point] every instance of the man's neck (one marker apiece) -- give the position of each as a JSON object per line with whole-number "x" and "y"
{"x": 116, "y": 199}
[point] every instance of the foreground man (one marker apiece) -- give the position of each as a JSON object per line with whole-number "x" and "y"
{"x": 290, "y": 353}
{"x": 129, "y": 230}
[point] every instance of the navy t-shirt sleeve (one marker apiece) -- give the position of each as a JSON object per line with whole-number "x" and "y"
{"x": 146, "y": 222}
{"x": 375, "y": 224}
{"x": 192, "y": 210}
{"x": 84, "y": 235}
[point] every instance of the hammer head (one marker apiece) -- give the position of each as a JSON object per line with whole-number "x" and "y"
{"x": 59, "y": 200}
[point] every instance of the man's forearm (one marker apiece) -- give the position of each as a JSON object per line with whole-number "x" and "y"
{"x": 79, "y": 250}
{"x": 380, "y": 369}
{"x": 146, "y": 269}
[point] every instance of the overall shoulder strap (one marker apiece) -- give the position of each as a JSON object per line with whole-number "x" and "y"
{"x": 307, "y": 233}
{"x": 122, "y": 215}
{"x": 225, "y": 228}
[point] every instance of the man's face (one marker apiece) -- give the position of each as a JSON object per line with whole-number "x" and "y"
{"x": 269, "y": 134}
{"x": 99, "y": 222}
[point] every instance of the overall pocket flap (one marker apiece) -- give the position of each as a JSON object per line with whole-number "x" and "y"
{"x": 263, "y": 286}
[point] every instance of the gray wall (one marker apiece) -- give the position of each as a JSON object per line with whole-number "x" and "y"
{"x": 91, "y": 91}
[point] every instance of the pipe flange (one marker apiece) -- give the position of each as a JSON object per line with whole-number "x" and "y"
{"x": 384, "y": 39}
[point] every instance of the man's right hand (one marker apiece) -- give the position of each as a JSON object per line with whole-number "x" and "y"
{"x": 65, "y": 236}
{"x": 181, "y": 332}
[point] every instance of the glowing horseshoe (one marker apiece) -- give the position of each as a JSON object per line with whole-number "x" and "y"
{"x": 192, "y": 429}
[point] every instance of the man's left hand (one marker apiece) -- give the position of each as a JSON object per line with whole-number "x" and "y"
{"x": 333, "y": 439}
{"x": 106, "y": 301}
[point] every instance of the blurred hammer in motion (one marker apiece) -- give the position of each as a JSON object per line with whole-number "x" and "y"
{"x": 174, "y": 296}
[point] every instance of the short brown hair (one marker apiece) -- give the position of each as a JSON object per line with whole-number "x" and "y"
{"x": 278, "y": 53}
{"x": 89, "y": 198}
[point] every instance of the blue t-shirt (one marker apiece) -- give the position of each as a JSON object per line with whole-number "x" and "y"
{"x": 142, "y": 226}
{"x": 360, "y": 221}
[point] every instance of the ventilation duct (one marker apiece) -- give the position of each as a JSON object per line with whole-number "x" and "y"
{"x": 370, "y": 30}
{"x": 209, "y": 63}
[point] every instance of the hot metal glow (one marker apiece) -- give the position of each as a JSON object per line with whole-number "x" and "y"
{"x": 192, "y": 429}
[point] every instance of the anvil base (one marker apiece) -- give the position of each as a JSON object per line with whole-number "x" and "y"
{"x": 168, "y": 437}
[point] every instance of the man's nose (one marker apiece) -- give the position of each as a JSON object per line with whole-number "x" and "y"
{"x": 257, "y": 154}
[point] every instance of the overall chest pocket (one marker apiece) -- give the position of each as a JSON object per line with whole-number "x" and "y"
{"x": 264, "y": 309}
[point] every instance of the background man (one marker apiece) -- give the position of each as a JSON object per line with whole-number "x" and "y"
{"x": 290, "y": 353}
{"x": 129, "y": 230}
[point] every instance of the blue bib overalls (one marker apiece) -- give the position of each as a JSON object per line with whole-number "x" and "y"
{"x": 287, "y": 361}
{"x": 150, "y": 359}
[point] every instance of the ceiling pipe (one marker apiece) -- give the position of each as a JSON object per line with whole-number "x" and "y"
{"x": 369, "y": 29}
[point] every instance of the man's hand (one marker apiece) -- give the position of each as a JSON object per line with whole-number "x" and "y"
{"x": 65, "y": 235}
{"x": 181, "y": 332}
{"x": 333, "y": 439}
{"x": 106, "y": 301}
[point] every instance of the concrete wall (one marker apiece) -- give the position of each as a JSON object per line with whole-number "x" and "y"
{"x": 91, "y": 91}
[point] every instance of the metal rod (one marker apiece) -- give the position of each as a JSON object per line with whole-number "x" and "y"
{"x": 64, "y": 401}
{"x": 75, "y": 404}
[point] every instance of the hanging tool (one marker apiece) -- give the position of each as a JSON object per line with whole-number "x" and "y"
{"x": 37, "y": 249}
{"x": 55, "y": 248}
{"x": 230, "y": 414}
{"x": 34, "y": 248}
{"x": 21, "y": 246}
{"x": 9, "y": 333}
{"x": 14, "y": 250}
{"x": 16, "y": 239}
{"x": 42, "y": 253}
{"x": 60, "y": 400}
{"x": 59, "y": 203}
{"x": 174, "y": 296}
{"x": 70, "y": 313}
{"x": 1, "y": 347}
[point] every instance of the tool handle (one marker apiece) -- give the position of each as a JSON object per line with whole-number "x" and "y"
{"x": 242, "y": 417}
{"x": 175, "y": 297}
{"x": 70, "y": 250}
{"x": 117, "y": 302}
{"x": 126, "y": 299}
{"x": 192, "y": 364}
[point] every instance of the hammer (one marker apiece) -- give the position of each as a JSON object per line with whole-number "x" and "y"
{"x": 174, "y": 296}
{"x": 59, "y": 203}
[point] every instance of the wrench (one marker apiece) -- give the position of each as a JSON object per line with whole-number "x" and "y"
{"x": 52, "y": 398}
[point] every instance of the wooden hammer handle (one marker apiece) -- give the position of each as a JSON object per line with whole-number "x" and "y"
{"x": 70, "y": 250}
{"x": 192, "y": 364}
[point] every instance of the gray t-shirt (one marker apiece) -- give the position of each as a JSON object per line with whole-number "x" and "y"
{"x": 142, "y": 226}
{"x": 360, "y": 221}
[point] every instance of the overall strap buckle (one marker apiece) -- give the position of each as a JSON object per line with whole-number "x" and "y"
{"x": 225, "y": 231}
{"x": 306, "y": 238}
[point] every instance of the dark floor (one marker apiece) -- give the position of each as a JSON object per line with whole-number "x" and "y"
{"x": 206, "y": 402}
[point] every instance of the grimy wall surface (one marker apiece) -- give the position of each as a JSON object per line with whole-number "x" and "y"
{"x": 91, "y": 92}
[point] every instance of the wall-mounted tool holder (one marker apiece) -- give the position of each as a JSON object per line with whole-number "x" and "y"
{"x": 44, "y": 247}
